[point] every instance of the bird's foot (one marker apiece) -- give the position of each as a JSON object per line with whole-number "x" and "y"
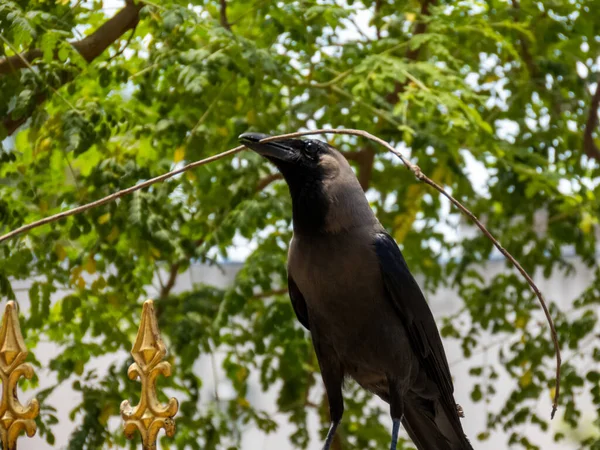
{"x": 395, "y": 430}
{"x": 330, "y": 436}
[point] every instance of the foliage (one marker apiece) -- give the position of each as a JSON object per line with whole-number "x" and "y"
{"x": 451, "y": 81}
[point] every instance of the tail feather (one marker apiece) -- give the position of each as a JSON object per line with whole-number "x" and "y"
{"x": 431, "y": 427}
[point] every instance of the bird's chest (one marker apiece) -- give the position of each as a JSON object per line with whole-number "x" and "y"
{"x": 335, "y": 273}
{"x": 342, "y": 286}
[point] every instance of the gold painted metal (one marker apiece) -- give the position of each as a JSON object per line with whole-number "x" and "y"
{"x": 149, "y": 416}
{"x": 14, "y": 417}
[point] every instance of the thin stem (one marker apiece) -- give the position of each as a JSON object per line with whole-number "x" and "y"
{"x": 144, "y": 70}
{"x": 331, "y": 82}
{"x": 215, "y": 375}
{"x": 160, "y": 281}
{"x": 415, "y": 80}
{"x": 73, "y": 174}
{"x": 208, "y": 110}
{"x": 378, "y": 112}
{"x": 162, "y": 8}
{"x": 121, "y": 50}
{"x": 118, "y": 194}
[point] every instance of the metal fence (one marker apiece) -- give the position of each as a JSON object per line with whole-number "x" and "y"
{"x": 147, "y": 417}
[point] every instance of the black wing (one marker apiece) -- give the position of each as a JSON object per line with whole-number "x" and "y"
{"x": 412, "y": 308}
{"x": 298, "y": 302}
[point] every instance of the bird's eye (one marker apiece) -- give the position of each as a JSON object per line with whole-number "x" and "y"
{"x": 311, "y": 148}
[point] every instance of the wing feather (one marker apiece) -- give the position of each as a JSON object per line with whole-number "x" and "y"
{"x": 412, "y": 308}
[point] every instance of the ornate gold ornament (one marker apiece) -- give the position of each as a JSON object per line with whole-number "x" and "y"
{"x": 14, "y": 417}
{"x": 149, "y": 416}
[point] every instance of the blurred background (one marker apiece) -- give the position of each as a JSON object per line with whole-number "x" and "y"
{"x": 495, "y": 100}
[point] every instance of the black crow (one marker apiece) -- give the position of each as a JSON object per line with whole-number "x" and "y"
{"x": 351, "y": 288}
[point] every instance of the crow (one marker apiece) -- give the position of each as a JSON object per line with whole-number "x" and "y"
{"x": 350, "y": 286}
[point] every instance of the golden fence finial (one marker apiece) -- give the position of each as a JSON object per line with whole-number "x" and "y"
{"x": 149, "y": 416}
{"x": 14, "y": 417}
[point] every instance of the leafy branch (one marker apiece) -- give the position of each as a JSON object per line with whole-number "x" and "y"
{"x": 410, "y": 166}
{"x": 589, "y": 146}
{"x": 89, "y": 47}
{"x": 33, "y": 71}
{"x": 118, "y": 194}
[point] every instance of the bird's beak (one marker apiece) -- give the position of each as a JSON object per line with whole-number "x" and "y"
{"x": 277, "y": 150}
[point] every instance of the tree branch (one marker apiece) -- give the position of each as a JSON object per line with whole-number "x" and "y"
{"x": 365, "y": 165}
{"x": 366, "y": 156}
{"x": 264, "y": 182}
{"x": 90, "y": 48}
{"x": 267, "y": 294}
{"x": 11, "y": 125}
{"x": 420, "y": 28}
{"x": 377, "y": 18}
{"x": 173, "y": 272}
{"x": 122, "y": 49}
{"x": 410, "y": 166}
{"x": 526, "y": 54}
{"x": 223, "y": 15}
{"x": 412, "y": 54}
{"x": 589, "y": 146}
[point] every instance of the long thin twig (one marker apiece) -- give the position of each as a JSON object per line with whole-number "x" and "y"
{"x": 208, "y": 111}
{"x": 118, "y": 194}
{"x": 122, "y": 49}
{"x": 412, "y": 167}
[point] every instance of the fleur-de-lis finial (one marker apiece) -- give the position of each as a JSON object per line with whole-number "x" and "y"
{"x": 14, "y": 417}
{"x": 149, "y": 416}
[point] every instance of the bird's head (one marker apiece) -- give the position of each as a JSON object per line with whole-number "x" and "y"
{"x": 295, "y": 158}
{"x": 326, "y": 194}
